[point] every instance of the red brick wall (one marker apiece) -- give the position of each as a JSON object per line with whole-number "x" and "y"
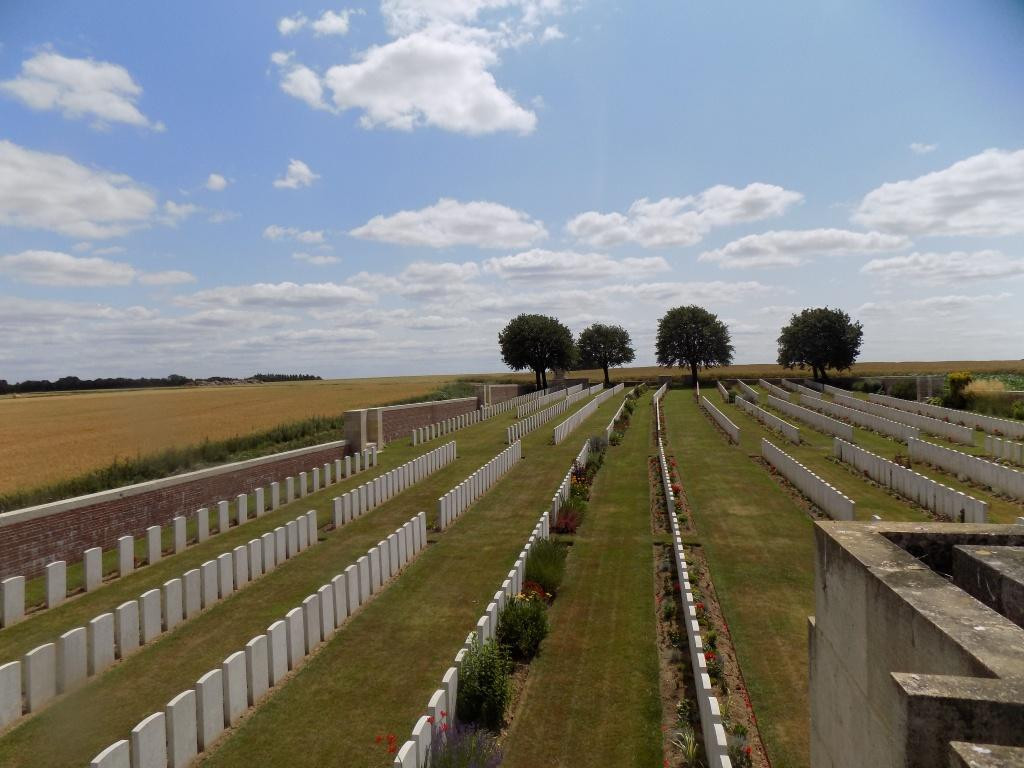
{"x": 400, "y": 422}
{"x": 502, "y": 392}
{"x": 26, "y": 547}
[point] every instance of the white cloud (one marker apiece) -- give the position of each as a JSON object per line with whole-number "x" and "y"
{"x": 551, "y": 33}
{"x": 982, "y": 195}
{"x": 289, "y": 25}
{"x": 676, "y": 221}
{"x": 951, "y": 304}
{"x": 299, "y": 80}
{"x": 449, "y": 222}
{"x": 275, "y": 232}
{"x": 216, "y": 183}
{"x": 219, "y": 217}
{"x": 517, "y": 18}
{"x": 110, "y": 250}
{"x": 168, "y": 277}
{"x": 918, "y": 148}
{"x": 177, "y": 212}
{"x": 952, "y": 267}
{"x": 79, "y": 88}
{"x": 298, "y": 175}
{"x": 543, "y": 265}
{"x": 332, "y": 23}
{"x": 52, "y": 192}
{"x": 285, "y": 295}
{"x": 788, "y": 248}
{"x": 318, "y": 259}
{"x": 426, "y": 79}
{"x": 62, "y": 269}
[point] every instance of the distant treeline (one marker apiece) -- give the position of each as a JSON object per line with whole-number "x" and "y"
{"x": 68, "y": 383}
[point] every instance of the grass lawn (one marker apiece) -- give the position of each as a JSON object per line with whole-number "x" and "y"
{"x": 376, "y": 674}
{"x": 591, "y": 697}
{"x": 760, "y": 551}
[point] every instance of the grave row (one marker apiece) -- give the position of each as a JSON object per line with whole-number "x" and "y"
{"x": 12, "y": 589}
{"x": 194, "y": 719}
{"x": 1004, "y": 449}
{"x": 488, "y": 411}
{"x": 747, "y": 391}
{"x": 878, "y": 424}
{"x": 716, "y": 745}
{"x": 457, "y": 500}
{"x": 618, "y": 414}
{"x": 446, "y": 427}
{"x": 660, "y": 393}
{"x": 999, "y": 478}
{"x": 954, "y": 432}
{"x": 773, "y": 390}
{"x": 923, "y": 491}
{"x": 522, "y": 428}
{"x": 430, "y": 729}
{"x": 566, "y": 428}
{"x": 721, "y": 419}
{"x": 819, "y": 421}
{"x": 990, "y": 424}
{"x": 722, "y": 391}
{"x": 770, "y": 420}
{"x": 60, "y": 667}
{"x": 800, "y": 389}
{"x": 827, "y": 498}
{"x": 562, "y": 493}
{"x": 527, "y": 408}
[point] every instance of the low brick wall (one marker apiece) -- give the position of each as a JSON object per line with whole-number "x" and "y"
{"x": 62, "y": 530}
{"x": 398, "y": 421}
{"x": 499, "y": 393}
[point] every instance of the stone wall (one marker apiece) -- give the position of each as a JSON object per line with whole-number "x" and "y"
{"x": 398, "y": 421}
{"x": 32, "y": 537}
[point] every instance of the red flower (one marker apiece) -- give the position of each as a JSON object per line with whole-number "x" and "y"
{"x": 392, "y": 749}
{"x": 444, "y": 727}
{"x": 747, "y": 750}
{"x": 430, "y": 719}
{"x": 444, "y": 713}
{"x": 709, "y": 656}
{"x": 379, "y": 738}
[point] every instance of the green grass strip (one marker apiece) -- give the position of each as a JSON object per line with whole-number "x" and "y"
{"x": 592, "y": 695}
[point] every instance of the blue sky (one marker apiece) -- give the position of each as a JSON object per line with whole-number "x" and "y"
{"x": 350, "y": 190}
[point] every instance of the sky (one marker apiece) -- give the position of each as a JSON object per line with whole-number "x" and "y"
{"x": 221, "y": 188}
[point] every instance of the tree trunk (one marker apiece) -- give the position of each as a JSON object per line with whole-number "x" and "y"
{"x": 607, "y": 381}
{"x": 693, "y": 375}
{"x": 544, "y": 377}
{"x": 824, "y": 374}
{"x": 536, "y": 374}
{"x": 814, "y": 372}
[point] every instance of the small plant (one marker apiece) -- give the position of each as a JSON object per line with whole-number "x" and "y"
{"x": 668, "y": 610}
{"x": 686, "y": 742}
{"x": 463, "y": 746}
{"x": 1017, "y": 409}
{"x": 568, "y": 522}
{"x": 739, "y": 755}
{"x": 484, "y": 685}
{"x": 545, "y": 565}
{"x": 615, "y": 438}
{"x": 714, "y": 664}
{"x": 522, "y": 625}
{"x": 711, "y": 639}
{"x": 684, "y": 712}
{"x": 533, "y": 589}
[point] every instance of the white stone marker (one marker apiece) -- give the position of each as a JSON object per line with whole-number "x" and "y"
{"x": 223, "y": 516}
{"x": 311, "y": 622}
{"x": 153, "y": 544}
{"x": 437, "y": 704}
{"x": 337, "y": 513}
{"x": 182, "y": 729}
{"x": 12, "y": 600}
{"x": 292, "y": 528}
{"x": 242, "y": 507}
{"x": 303, "y": 488}
{"x": 407, "y": 756}
{"x": 180, "y": 534}
{"x": 56, "y": 583}
{"x": 363, "y": 563}
{"x": 92, "y": 568}
{"x": 126, "y": 628}
{"x": 72, "y": 659}
{"x": 280, "y": 544}
{"x": 421, "y": 735}
{"x": 210, "y": 707}
{"x": 277, "y": 651}
{"x": 316, "y": 479}
{"x": 339, "y": 589}
{"x": 173, "y": 604}
{"x": 209, "y": 586}
{"x": 312, "y": 527}
{"x": 352, "y": 588}
{"x": 325, "y": 597}
{"x": 337, "y": 471}
{"x": 39, "y": 676}
{"x": 261, "y": 506}
{"x": 240, "y": 559}
{"x": 192, "y": 584}
{"x": 117, "y": 755}
{"x": 236, "y": 694}
{"x": 403, "y": 552}
{"x": 393, "y": 560}
{"x": 10, "y": 693}
{"x": 289, "y": 490}
{"x": 255, "y": 547}
{"x": 101, "y": 643}
{"x": 149, "y": 742}
{"x": 302, "y": 532}
{"x": 202, "y": 524}
{"x": 275, "y": 495}
{"x": 149, "y": 615}
{"x": 385, "y": 561}
{"x": 375, "y": 580}
{"x": 295, "y": 636}
{"x": 450, "y": 683}
{"x": 269, "y": 552}
{"x": 348, "y": 467}
{"x": 257, "y": 668}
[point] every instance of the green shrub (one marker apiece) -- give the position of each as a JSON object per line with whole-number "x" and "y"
{"x": 484, "y": 685}
{"x": 1017, "y": 409}
{"x": 905, "y": 389}
{"x": 616, "y": 438}
{"x": 522, "y": 625}
{"x": 954, "y": 393}
{"x": 546, "y": 564}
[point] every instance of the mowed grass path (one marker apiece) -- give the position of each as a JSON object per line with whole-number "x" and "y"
{"x": 75, "y": 728}
{"x": 760, "y": 549}
{"x": 592, "y": 695}
{"x": 377, "y": 673}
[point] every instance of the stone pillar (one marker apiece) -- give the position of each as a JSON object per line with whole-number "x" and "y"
{"x": 355, "y": 429}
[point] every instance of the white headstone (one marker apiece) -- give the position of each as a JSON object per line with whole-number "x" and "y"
{"x": 10, "y": 693}
{"x": 12, "y": 600}
{"x": 352, "y": 588}
{"x": 223, "y": 516}
{"x": 325, "y": 596}
{"x": 193, "y": 589}
{"x": 39, "y": 676}
{"x": 339, "y": 589}
{"x": 240, "y": 560}
{"x": 154, "y": 545}
{"x": 173, "y": 604}
{"x": 117, "y": 755}
{"x": 92, "y": 568}
{"x": 72, "y": 659}
{"x": 295, "y": 636}
{"x": 56, "y": 583}
{"x": 126, "y": 628}
{"x": 236, "y": 693}
{"x": 209, "y": 586}
{"x": 257, "y": 668}
{"x": 180, "y": 534}
{"x": 269, "y": 553}
{"x": 149, "y": 616}
{"x": 311, "y": 622}
{"x": 101, "y": 643}
{"x": 149, "y": 742}
{"x": 182, "y": 729}
{"x": 210, "y": 707}
{"x": 277, "y": 652}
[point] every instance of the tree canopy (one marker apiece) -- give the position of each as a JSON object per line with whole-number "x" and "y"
{"x": 602, "y": 346}
{"x": 537, "y": 342}
{"x": 693, "y": 337}
{"x": 820, "y": 339}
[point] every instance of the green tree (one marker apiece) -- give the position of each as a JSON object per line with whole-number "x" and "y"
{"x": 820, "y": 339}
{"x": 537, "y": 342}
{"x": 694, "y": 337}
{"x": 602, "y": 346}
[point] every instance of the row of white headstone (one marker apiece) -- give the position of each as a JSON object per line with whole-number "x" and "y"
{"x": 879, "y": 424}
{"x": 1007, "y": 450}
{"x": 564, "y": 488}
{"x": 193, "y": 720}
{"x": 534, "y": 405}
{"x": 716, "y": 745}
{"x": 823, "y": 495}
{"x": 445, "y": 427}
{"x": 722, "y": 390}
{"x": 818, "y": 421}
{"x": 954, "y": 432}
{"x": 1001, "y": 479}
{"x": 773, "y": 390}
{"x": 458, "y": 499}
{"x": 721, "y": 419}
{"x": 430, "y": 731}
{"x": 522, "y": 428}
{"x": 747, "y": 391}
{"x": 488, "y": 411}
{"x": 62, "y": 666}
{"x": 923, "y": 491}
{"x": 993, "y": 425}
{"x": 566, "y": 428}
{"x": 12, "y": 589}
{"x": 800, "y": 389}
{"x": 770, "y": 420}
{"x": 618, "y": 414}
